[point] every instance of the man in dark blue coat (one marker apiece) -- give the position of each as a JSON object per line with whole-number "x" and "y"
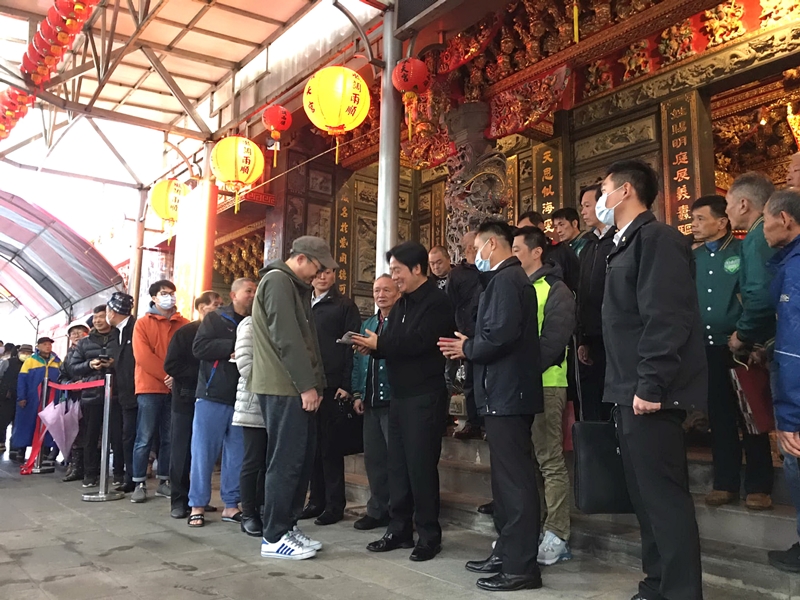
{"x": 508, "y": 393}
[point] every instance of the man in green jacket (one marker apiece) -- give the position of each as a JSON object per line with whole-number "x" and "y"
{"x": 288, "y": 377}
{"x": 718, "y": 261}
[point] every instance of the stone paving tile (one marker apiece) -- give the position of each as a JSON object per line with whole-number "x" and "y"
{"x": 83, "y": 583}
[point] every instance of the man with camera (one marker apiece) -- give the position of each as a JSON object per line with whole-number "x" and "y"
{"x": 91, "y": 361}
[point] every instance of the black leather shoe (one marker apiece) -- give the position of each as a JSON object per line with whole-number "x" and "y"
{"x": 426, "y": 552}
{"x": 328, "y": 518}
{"x": 503, "y": 582}
{"x": 252, "y": 525}
{"x": 366, "y": 523}
{"x": 638, "y": 597}
{"x": 486, "y": 509}
{"x": 179, "y": 512}
{"x": 493, "y": 564}
{"x": 311, "y": 512}
{"x": 390, "y": 542}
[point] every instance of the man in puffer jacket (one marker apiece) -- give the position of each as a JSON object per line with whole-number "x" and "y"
{"x": 91, "y": 361}
{"x": 247, "y": 415}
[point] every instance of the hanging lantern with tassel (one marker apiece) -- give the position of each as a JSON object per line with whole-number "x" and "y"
{"x": 238, "y": 163}
{"x": 336, "y": 100}
{"x": 165, "y": 196}
{"x": 411, "y": 78}
{"x": 276, "y": 119}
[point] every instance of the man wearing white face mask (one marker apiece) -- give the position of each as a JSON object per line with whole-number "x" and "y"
{"x": 656, "y": 371}
{"x": 151, "y": 336}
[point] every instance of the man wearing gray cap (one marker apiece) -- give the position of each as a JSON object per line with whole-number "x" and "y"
{"x": 288, "y": 377}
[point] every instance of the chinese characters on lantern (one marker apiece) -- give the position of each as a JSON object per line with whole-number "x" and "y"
{"x": 681, "y": 179}
{"x": 547, "y": 181}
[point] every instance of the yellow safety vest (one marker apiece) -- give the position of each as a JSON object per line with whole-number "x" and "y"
{"x": 555, "y": 376}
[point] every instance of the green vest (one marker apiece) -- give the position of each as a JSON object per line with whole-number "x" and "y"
{"x": 555, "y": 376}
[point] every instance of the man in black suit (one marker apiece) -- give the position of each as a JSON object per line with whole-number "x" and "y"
{"x": 656, "y": 372}
{"x": 508, "y": 392}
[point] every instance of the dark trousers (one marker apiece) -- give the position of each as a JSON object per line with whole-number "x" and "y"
{"x": 415, "y": 443}
{"x": 726, "y": 421}
{"x": 376, "y": 459}
{"x": 656, "y": 471}
{"x": 516, "y": 498}
{"x": 129, "y": 417}
{"x": 327, "y": 478}
{"x": 593, "y": 380}
{"x": 7, "y": 410}
{"x": 180, "y": 458}
{"x": 92, "y": 415}
{"x": 254, "y": 466}
{"x": 291, "y": 444}
{"x": 473, "y": 418}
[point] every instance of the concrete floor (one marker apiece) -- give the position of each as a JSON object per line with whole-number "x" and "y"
{"x": 54, "y": 546}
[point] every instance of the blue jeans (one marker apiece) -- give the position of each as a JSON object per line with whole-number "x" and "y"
{"x": 154, "y": 414}
{"x": 212, "y": 433}
{"x": 791, "y": 469}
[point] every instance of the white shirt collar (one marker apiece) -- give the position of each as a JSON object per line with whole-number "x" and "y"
{"x": 121, "y": 326}
{"x": 601, "y": 232}
{"x": 497, "y": 266}
{"x": 620, "y": 233}
{"x": 315, "y": 299}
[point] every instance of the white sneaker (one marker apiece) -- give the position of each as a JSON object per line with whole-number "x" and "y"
{"x": 553, "y": 550}
{"x": 305, "y": 540}
{"x": 288, "y": 547}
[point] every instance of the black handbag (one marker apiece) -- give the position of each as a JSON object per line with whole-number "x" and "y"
{"x": 348, "y": 428}
{"x": 600, "y": 486}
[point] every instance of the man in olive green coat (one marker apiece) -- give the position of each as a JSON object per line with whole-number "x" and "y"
{"x": 745, "y": 206}
{"x": 289, "y": 378}
{"x": 718, "y": 260}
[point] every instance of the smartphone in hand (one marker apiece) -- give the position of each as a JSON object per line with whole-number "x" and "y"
{"x": 347, "y": 338}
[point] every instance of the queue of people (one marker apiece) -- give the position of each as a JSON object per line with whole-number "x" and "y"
{"x": 656, "y": 327}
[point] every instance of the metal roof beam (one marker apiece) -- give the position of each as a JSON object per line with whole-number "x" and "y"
{"x": 115, "y": 152}
{"x": 73, "y": 175}
{"x": 242, "y": 13}
{"x": 30, "y": 140}
{"x": 207, "y": 32}
{"x": 176, "y": 91}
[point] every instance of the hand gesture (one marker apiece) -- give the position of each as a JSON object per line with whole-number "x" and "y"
{"x": 643, "y": 407}
{"x": 311, "y": 400}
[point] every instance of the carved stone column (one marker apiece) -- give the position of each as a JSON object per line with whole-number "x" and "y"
{"x": 476, "y": 188}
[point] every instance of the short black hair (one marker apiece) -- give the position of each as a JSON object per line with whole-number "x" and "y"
{"x": 641, "y": 176}
{"x": 533, "y": 238}
{"x": 595, "y": 187}
{"x": 161, "y": 283}
{"x": 567, "y": 213}
{"x": 535, "y": 217}
{"x": 499, "y": 229}
{"x": 714, "y": 202}
{"x": 206, "y": 297}
{"x": 410, "y": 254}
{"x": 98, "y": 309}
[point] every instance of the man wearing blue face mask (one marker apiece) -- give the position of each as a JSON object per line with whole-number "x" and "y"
{"x": 151, "y": 336}
{"x": 656, "y": 371}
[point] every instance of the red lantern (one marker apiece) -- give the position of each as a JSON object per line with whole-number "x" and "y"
{"x": 79, "y": 10}
{"x": 53, "y": 35}
{"x": 276, "y": 119}
{"x": 46, "y": 58}
{"x": 47, "y": 48}
{"x": 411, "y": 78}
{"x": 66, "y": 25}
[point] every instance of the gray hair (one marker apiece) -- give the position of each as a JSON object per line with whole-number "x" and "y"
{"x": 383, "y": 276}
{"x": 755, "y": 187}
{"x": 787, "y": 201}
{"x": 468, "y": 238}
{"x": 239, "y": 283}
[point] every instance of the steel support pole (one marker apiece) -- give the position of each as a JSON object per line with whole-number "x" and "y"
{"x": 104, "y": 494}
{"x": 389, "y": 151}
{"x": 38, "y": 469}
{"x": 135, "y": 281}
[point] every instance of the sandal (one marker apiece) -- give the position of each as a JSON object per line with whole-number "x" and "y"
{"x": 236, "y": 518}
{"x": 210, "y": 508}
{"x": 197, "y": 520}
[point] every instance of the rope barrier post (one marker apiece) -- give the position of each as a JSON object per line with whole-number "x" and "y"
{"x": 104, "y": 494}
{"x": 38, "y": 469}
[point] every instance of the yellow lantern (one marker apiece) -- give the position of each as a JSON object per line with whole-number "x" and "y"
{"x": 165, "y": 196}
{"x": 336, "y": 100}
{"x": 237, "y": 162}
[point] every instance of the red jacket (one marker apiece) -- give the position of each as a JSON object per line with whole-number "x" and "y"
{"x": 151, "y": 336}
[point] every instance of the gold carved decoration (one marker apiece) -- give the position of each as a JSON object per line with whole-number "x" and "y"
{"x": 723, "y": 23}
{"x": 775, "y": 11}
{"x": 241, "y": 258}
{"x": 675, "y": 43}
{"x": 598, "y": 78}
{"x": 636, "y": 60}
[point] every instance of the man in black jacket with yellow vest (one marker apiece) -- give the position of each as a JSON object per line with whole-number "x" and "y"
{"x": 418, "y": 406}
{"x": 656, "y": 372}
{"x": 508, "y": 392}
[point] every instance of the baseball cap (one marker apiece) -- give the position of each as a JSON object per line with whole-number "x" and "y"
{"x": 44, "y": 339}
{"x": 77, "y": 326}
{"x": 121, "y": 303}
{"x": 315, "y": 247}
